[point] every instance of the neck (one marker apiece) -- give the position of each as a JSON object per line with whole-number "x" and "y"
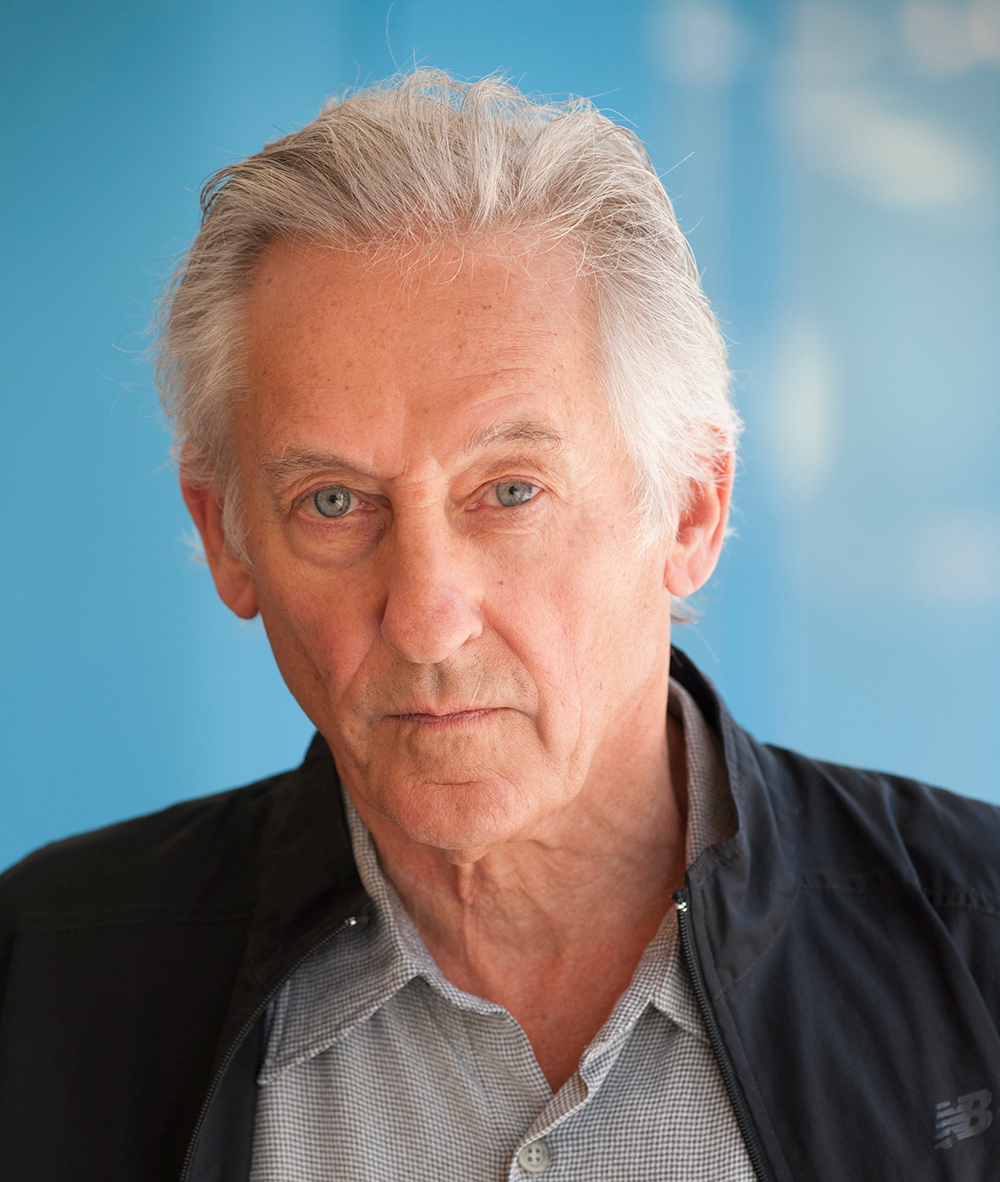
{"x": 565, "y": 910}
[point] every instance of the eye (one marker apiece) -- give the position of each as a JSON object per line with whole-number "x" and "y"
{"x": 514, "y": 492}
{"x": 333, "y": 502}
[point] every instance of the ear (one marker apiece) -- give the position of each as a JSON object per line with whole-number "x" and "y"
{"x": 233, "y": 580}
{"x": 701, "y": 531}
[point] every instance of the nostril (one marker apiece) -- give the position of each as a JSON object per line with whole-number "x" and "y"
{"x": 427, "y": 629}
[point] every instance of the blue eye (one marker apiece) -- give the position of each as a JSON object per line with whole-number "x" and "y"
{"x": 515, "y": 492}
{"x": 333, "y": 502}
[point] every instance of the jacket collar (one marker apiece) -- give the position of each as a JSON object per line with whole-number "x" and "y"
{"x": 307, "y": 886}
{"x": 745, "y": 883}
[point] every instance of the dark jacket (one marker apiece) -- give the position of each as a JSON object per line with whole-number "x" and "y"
{"x": 845, "y": 943}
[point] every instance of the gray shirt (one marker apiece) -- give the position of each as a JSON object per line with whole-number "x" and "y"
{"x": 378, "y": 1069}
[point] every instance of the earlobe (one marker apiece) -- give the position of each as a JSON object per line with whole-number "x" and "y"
{"x": 233, "y": 581}
{"x": 701, "y": 530}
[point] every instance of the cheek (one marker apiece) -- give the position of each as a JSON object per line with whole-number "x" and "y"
{"x": 584, "y": 616}
{"x": 318, "y": 628}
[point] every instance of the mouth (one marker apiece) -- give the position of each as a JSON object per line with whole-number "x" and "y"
{"x": 447, "y": 719}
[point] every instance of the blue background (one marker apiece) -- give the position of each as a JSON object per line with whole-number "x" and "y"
{"x": 836, "y": 168}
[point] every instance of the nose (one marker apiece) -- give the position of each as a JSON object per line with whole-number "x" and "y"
{"x": 432, "y": 604}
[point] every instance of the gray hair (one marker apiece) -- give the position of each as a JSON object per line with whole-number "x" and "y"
{"x": 427, "y": 159}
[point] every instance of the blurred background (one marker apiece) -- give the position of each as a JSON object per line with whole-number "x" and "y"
{"x": 836, "y": 168}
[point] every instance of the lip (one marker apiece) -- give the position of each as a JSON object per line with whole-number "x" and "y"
{"x": 443, "y": 719}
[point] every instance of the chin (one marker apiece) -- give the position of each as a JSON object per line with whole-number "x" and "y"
{"x": 455, "y": 816}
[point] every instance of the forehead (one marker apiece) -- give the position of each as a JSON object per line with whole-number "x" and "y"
{"x": 398, "y": 345}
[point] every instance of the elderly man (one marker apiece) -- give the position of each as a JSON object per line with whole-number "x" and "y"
{"x": 453, "y": 419}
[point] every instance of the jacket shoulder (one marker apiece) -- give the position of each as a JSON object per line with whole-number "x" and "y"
{"x": 858, "y": 818}
{"x": 191, "y": 856}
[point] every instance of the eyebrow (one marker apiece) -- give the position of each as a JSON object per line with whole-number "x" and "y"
{"x": 276, "y": 471}
{"x": 514, "y": 431}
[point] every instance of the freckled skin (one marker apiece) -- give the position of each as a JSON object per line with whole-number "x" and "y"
{"x": 491, "y": 679}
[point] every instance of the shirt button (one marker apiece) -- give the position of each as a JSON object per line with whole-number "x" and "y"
{"x": 534, "y": 1158}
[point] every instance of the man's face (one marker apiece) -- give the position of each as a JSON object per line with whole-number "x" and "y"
{"x": 439, "y": 520}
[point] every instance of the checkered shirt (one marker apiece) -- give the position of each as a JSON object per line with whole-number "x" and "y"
{"x": 378, "y": 1069}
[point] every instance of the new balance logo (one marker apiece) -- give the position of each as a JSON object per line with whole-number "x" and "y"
{"x": 968, "y": 1117}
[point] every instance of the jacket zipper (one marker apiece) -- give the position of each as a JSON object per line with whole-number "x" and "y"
{"x": 744, "y": 1120}
{"x": 245, "y": 1029}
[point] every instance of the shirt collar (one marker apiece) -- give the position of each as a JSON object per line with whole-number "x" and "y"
{"x": 375, "y": 955}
